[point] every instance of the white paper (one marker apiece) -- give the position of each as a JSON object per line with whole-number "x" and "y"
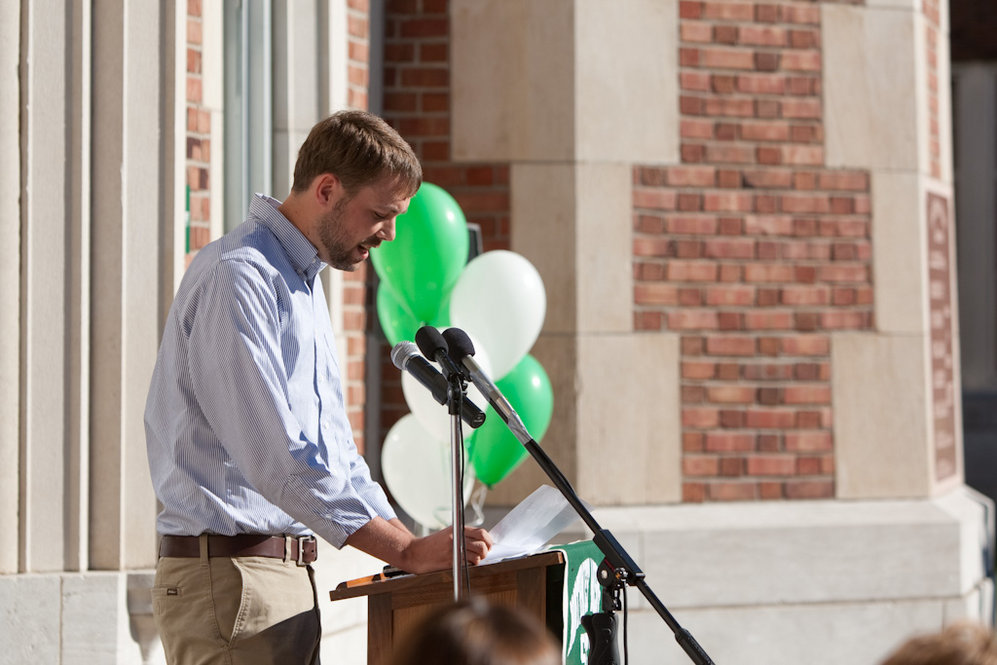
{"x": 529, "y": 526}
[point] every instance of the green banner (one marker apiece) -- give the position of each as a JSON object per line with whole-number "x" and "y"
{"x": 582, "y": 595}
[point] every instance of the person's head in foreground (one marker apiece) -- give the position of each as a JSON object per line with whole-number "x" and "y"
{"x": 478, "y": 633}
{"x": 962, "y": 643}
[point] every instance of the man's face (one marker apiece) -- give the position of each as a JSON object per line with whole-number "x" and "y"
{"x": 358, "y": 223}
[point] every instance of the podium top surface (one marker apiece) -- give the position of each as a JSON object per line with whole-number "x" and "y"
{"x": 378, "y": 583}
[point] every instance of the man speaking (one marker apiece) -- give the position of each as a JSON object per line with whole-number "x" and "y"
{"x": 249, "y": 445}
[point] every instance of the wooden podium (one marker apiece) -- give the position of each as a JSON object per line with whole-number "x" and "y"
{"x": 532, "y": 583}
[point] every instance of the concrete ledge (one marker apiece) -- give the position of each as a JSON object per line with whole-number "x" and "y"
{"x": 816, "y": 582}
{"x": 721, "y": 555}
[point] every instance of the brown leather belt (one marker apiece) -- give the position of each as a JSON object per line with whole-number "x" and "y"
{"x": 303, "y": 549}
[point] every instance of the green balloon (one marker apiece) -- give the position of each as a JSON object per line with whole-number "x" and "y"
{"x": 496, "y": 451}
{"x": 422, "y": 264}
{"x": 396, "y": 321}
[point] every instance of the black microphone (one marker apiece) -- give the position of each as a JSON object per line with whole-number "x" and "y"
{"x": 461, "y": 350}
{"x": 432, "y": 345}
{"x": 405, "y": 356}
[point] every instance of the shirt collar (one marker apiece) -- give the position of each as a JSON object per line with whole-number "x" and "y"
{"x": 301, "y": 252}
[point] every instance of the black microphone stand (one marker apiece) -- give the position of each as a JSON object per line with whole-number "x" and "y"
{"x": 617, "y": 569}
{"x": 455, "y": 397}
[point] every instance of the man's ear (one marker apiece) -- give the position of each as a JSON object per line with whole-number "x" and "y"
{"x": 327, "y": 189}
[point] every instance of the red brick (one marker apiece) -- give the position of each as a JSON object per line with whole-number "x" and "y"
{"x": 692, "y": 442}
{"x": 695, "y": 81}
{"x": 728, "y": 10}
{"x": 768, "y": 155}
{"x": 743, "y": 296}
{"x": 692, "y": 345}
{"x": 729, "y": 442}
{"x": 655, "y": 199}
{"x": 691, "y": 176}
{"x": 725, "y": 131}
{"x": 693, "y": 394}
{"x": 769, "y": 178}
{"x": 802, "y": 13}
{"x": 768, "y": 272}
{"x": 730, "y": 272}
{"x": 700, "y": 417}
{"x": 699, "y": 225}
{"x": 655, "y": 294}
{"x": 692, "y": 153}
{"x": 765, "y": 61}
{"x": 763, "y": 35}
{"x": 843, "y": 273}
{"x": 765, "y": 131}
{"x": 731, "y": 395}
{"x": 689, "y": 57}
{"x": 727, "y": 201}
{"x": 690, "y": 297}
{"x": 696, "y": 31}
{"x": 845, "y": 320}
{"x": 731, "y": 467}
{"x": 692, "y": 319}
{"x": 803, "y": 61}
{"x": 727, "y": 58}
{"x": 770, "y": 419}
{"x": 730, "y": 346}
{"x": 810, "y": 489}
{"x": 801, "y": 108}
{"x": 730, "y": 154}
{"x": 696, "y": 129}
{"x": 761, "y": 84}
{"x": 768, "y": 320}
{"x": 808, "y": 394}
{"x": 691, "y": 271}
{"x": 803, "y": 155}
{"x": 698, "y": 370}
{"x": 722, "y": 84}
{"x": 804, "y": 295}
{"x": 690, "y": 9}
{"x": 730, "y": 418}
{"x": 768, "y": 372}
{"x": 732, "y": 491}
{"x": 693, "y": 492}
{"x": 812, "y": 441}
{"x": 689, "y": 201}
{"x": 771, "y": 465}
{"x": 729, "y": 107}
{"x": 700, "y": 465}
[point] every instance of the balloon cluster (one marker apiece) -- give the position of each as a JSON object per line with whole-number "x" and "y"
{"x": 498, "y": 299}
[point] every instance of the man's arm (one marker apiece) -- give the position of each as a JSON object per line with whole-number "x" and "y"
{"x": 390, "y": 541}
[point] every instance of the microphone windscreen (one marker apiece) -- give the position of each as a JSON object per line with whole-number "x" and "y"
{"x": 401, "y": 354}
{"x": 430, "y": 341}
{"x": 459, "y": 343}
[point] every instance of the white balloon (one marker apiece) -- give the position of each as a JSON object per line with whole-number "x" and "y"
{"x": 416, "y": 468}
{"x": 432, "y": 415}
{"x": 500, "y": 300}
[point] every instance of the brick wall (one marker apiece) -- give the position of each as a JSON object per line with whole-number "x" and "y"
{"x": 417, "y": 103}
{"x": 754, "y": 252}
{"x": 198, "y": 137}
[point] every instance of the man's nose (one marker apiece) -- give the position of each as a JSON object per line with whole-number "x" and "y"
{"x": 387, "y": 232}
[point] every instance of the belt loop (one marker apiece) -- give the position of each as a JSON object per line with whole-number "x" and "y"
{"x": 203, "y": 543}
{"x": 288, "y": 554}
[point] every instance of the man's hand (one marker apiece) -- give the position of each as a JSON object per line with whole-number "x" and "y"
{"x": 393, "y": 543}
{"x": 435, "y": 551}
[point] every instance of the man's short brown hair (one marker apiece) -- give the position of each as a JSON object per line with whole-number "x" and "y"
{"x": 962, "y": 643}
{"x": 359, "y": 148}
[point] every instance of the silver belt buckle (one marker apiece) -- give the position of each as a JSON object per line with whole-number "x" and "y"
{"x": 300, "y": 560}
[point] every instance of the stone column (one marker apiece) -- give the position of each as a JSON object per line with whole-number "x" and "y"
{"x": 128, "y": 214}
{"x": 528, "y": 89}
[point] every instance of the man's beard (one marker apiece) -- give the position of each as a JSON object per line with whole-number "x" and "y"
{"x": 332, "y": 235}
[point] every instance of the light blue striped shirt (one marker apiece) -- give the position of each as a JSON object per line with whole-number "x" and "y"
{"x": 245, "y": 422}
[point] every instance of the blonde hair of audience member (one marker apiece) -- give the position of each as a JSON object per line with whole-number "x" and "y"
{"x": 478, "y": 633}
{"x": 962, "y": 643}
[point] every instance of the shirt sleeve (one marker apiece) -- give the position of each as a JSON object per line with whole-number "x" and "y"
{"x": 241, "y": 383}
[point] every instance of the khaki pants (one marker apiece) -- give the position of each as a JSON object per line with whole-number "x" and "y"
{"x": 236, "y": 611}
